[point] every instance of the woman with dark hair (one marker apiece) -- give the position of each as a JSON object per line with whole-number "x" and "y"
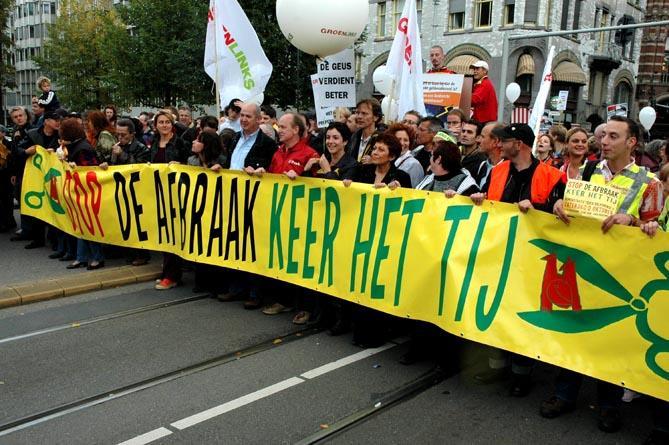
{"x": 80, "y": 153}
{"x": 111, "y": 115}
{"x": 167, "y": 148}
{"x": 100, "y": 135}
{"x": 406, "y": 162}
{"x": 371, "y": 327}
{"x": 335, "y": 163}
{"x": 448, "y": 176}
{"x": 207, "y": 151}
{"x": 381, "y": 170}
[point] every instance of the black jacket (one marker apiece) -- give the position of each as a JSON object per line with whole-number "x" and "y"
{"x": 260, "y": 154}
{"x": 366, "y": 173}
{"x": 133, "y": 153}
{"x": 344, "y": 169}
{"x": 174, "y": 150}
{"x": 354, "y": 144}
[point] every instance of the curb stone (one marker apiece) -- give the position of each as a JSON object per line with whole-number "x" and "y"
{"x": 68, "y": 285}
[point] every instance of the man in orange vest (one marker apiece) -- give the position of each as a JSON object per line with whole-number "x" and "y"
{"x": 523, "y": 180}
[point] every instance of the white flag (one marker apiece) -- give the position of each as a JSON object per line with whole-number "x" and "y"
{"x": 233, "y": 56}
{"x": 544, "y": 90}
{"x": 405, "y": 63}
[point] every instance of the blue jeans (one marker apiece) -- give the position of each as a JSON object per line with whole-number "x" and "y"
{"x": 89, "y": 251}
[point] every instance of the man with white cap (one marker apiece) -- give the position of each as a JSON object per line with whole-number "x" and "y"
{"x": 484, "y": 97}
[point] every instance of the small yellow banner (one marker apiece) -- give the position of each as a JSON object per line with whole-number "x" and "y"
{"x": 582, "y": 198}
{"x": 566, "y": 295}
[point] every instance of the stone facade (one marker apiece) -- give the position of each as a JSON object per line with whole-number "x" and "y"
{"x": 609, "y": 69}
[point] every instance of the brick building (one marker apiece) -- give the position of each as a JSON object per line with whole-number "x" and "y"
{"x": 653, "y": 78}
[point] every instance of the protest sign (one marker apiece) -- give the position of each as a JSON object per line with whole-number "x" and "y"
{"x": 324, "y": 115}
{"x": 584, "y": 198}
{"x": 616, "y": 110}
{"x": 527, "y": 283}
{"x": 441, "y": 93}
{"x": 336, "y": 76}
{"x": 563, "y": 95}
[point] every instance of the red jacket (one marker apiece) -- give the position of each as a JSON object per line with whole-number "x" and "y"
{"x": 484, "y": 101}
{"x": 294, "y": 158}
{"x": 442, "y": 70}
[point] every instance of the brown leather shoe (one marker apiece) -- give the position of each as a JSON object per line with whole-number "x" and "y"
{"x": 252, "y": 304}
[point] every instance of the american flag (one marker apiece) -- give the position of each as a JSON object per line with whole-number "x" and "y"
{"x": 520, "y": 115}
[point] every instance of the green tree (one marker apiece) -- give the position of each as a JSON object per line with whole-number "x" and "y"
{"x": 160, "y": 60}
{"x": 77, "y": 55}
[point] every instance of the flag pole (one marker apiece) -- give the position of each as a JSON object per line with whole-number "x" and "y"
{"x": 216, "y": 92}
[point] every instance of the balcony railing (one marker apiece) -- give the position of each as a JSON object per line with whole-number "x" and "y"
{"x": 607, "y": 50}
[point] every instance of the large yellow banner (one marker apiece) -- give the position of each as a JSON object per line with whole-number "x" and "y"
{"x": 571, "y": 296}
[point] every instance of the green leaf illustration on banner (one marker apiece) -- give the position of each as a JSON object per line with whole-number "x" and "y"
{"x": 587, "y": 267}
{"x": 51, "y": 190}
{"x": 579, "y": 321}
{"x": 569, "y": 322}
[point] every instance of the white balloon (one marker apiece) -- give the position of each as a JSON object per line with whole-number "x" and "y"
{"x": 647, "y": 117}
{"x": 389, "y": 108}
{"x": 257, "y": 99}
{"x": 513, "y": 92}
{"x": 322, "y": 27}
{"x": 383, "y": 81}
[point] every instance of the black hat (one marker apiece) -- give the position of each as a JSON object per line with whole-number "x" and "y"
{"x": 521, "y": 132}
{"x": 57, "y": 114}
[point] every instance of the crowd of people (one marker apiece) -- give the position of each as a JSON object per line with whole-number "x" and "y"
{"x": 458, "y": 156}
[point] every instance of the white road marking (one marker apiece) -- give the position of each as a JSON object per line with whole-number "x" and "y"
{"x": 148, "y": 437}
{"x": 237, "y": 403}
{"x": 257, "y": 395}
{"x": 329, "y": 367}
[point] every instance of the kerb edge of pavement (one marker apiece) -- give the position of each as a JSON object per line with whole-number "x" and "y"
{"x": 68, "y": 285}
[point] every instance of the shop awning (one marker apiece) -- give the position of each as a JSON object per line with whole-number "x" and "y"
{"x": 569, "y": 72}
{"x": 525, "y": 65}
{"x": 461, "y": 64}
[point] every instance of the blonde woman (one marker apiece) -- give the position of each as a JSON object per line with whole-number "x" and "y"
{"x": 576, "y": 152}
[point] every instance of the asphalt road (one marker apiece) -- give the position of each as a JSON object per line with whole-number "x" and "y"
{"x": 133, "y": 364}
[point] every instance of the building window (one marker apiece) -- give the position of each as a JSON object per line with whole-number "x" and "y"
{"x": 483, "y": 13}
{"x": 577, "y": 14}
{"x": 531, "y": 12}
{"x": 398, "y": 6}
{"x": 622, "y": 94}
{"x": 602, "y": 38}
{"x": 547, "y": 18}
{"x": 31, "y": 8}
{"x": 456, "y": 15}
{"x": 565, "y": 14}
{"x": 32, "y": 31}
{"x": 509, "y": 11}
{"x": 381, "y": 19}
{"x": 53, "y": 9}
